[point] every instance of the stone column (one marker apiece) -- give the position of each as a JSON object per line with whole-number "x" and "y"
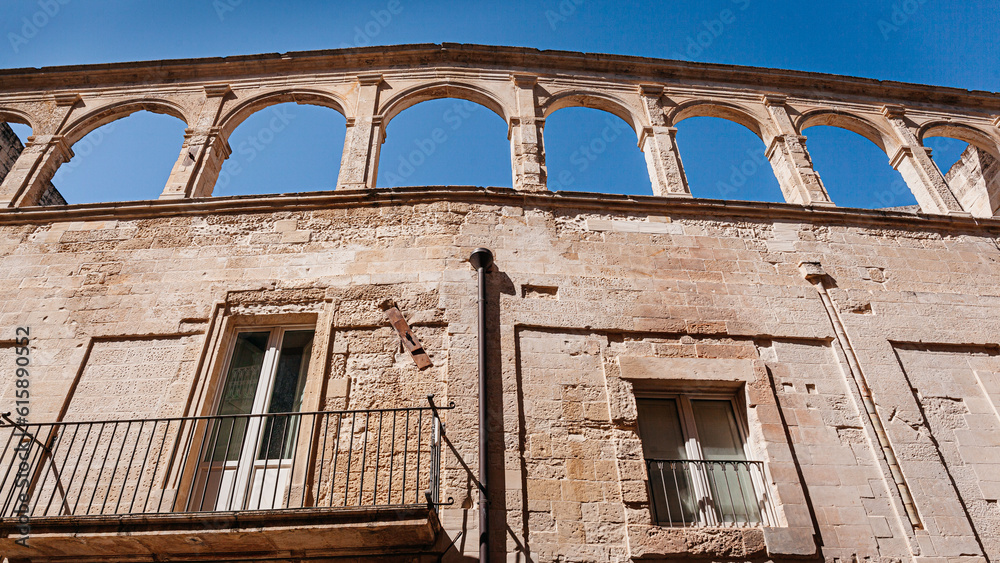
{"x": 658, "y": 143}
{"x": 27, "y": 179}
{"x": 359, "y": 164}
{"x": 913, "y": 161}
{"x": 203, "y": 152}
{"x": 790, "y": 159}
{"x": 525, "y": 131}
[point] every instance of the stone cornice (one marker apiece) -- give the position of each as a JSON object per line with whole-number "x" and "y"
{"x": 518, "y": 59}
{"x": 678, "y": 207}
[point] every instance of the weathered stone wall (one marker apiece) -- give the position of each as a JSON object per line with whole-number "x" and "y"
{"x": 593, "y": 299}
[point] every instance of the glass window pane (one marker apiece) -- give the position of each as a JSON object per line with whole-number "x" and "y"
{"x": 278, "y": 436}
{"x": 237, "y": 396}
{"x": 717, "y": 431}
{"x": 674, "y": 500}
{"x": 730, "y": 485}
{"x": 660, "y": 429}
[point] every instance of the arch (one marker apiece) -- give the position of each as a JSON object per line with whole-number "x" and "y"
{"x": 444, "y": 89}
{"x": 962, "y": 132}
{"x": 237, "y": 115}
{"x": 882, "y": 138}
{"x": 447, "y": 134}
{"x": 103, "y": 115}
{"x": 9, "y": 115}
{"x": 593, "y": 100}
{"x": 723, "y": 110}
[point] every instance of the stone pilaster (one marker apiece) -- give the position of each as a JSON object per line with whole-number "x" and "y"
{"x": 913, "y": 161}
{"x": 659, "y": 146}
{"x": 365, "y": 134}
{"x": 27, "y": 180}
{"x": 527, "y": 150}
{"x": 203, "y": 152}
{"x": 790, "y": 159}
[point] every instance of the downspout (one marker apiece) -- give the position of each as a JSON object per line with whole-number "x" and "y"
{"x": 481, "y": 259}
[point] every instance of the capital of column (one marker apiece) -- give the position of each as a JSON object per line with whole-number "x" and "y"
{"x": 651, "y": 90}
{"x": 64, "y": 99}
{"x": 217, "y": 90}
{"x": 996, "y": 121}
{"x": 524, "y": 80}
{"x": 901, "y": 154}
{"x": 650, "y": 131}
{"x": 893, "y": 111}
{"x": 774, "y": 100}
{"x": 370, "y": 79}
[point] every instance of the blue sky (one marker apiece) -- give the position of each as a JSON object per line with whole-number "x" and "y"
{"x": 922, "y": 41}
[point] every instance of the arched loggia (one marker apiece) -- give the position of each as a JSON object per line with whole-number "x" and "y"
{"x": 594, "y": 150}
{"x": 122, "y": 156}
{"x": 724, "y": 159}
{"x": 445, "y": 141}
{"x": 969, "y": 160}
{"x": 282, "y": 148}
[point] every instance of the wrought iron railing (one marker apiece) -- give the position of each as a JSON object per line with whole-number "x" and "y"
{"x": 709, "y": 493}
{"x": 323, "y": 459}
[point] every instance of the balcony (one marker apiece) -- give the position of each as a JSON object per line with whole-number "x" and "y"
{"x": 174, "y": 487}
{"x": 723, "y": 494}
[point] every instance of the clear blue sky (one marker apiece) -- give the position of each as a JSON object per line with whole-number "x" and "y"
{"x": 923, "y": 41}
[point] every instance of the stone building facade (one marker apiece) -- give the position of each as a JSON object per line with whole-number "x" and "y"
{"x": 669, "y": 377}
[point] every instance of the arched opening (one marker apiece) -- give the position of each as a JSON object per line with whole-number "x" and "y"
{"x": 124, "y": 160}
{"x": 447, "y": 142}
{"x": 284, "y": 148}
{"x": 855, "y": 169}
{"x": 726, "y": 160}
{"x": 13, "y": 137}
{"x": 593, "y": 150}
{"x": 970, "y": 163}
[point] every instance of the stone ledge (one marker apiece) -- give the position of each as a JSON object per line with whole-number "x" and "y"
{"x": 218, "y": 536}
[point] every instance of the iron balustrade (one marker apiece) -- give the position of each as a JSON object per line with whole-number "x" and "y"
{"x": 702, "y": 492}
{"x": 225, "y": 463}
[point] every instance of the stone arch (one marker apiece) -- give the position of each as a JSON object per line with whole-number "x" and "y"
{"x": 730, "y": 112}
{"x": 594, "y": 100}
{"x": 10, "y": 115}
{"x": 881, "y": 136}
{"x": 438, "y": 90}
{"x": 103, "y": 115}
{"x": 962, "y": 132}
{"x": 237, "y": 115}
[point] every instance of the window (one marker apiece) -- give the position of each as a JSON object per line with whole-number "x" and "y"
{"x": 696, "y": 458}
{"x": 249, "y": 446}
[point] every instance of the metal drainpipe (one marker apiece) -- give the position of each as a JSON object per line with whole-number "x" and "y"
{"x": 481, "y": 259}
